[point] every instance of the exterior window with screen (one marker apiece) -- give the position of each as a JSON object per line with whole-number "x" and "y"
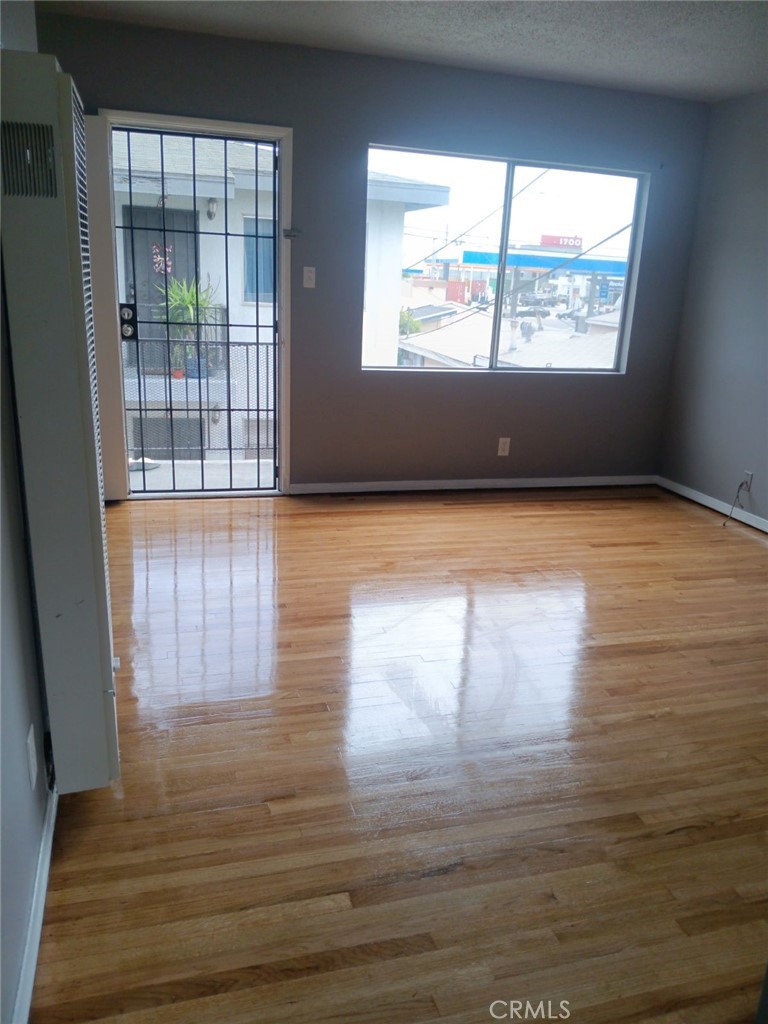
{"x": 491, "y": 264}
{"x": 259, "y": 270}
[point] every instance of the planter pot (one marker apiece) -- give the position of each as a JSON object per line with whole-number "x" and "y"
{"x": 195, "y": 369}
{"x": 177, "y": 374}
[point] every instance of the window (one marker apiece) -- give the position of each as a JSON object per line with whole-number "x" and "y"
{"x": 474, "y": 263}
{"x": 259, "y": 270}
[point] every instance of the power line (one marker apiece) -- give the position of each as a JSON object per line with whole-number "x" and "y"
{"x": 460, "y": 319}
{"x": 490, "y": 305}
{"x": 461, "y": 234}
{"x": 433, "y": 236}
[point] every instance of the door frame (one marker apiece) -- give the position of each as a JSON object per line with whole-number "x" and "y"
{"x": 105, "y": 295}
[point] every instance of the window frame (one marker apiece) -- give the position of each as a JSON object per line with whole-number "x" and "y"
{"x": 255, "y": 295}
{"x": 634, "y": 251}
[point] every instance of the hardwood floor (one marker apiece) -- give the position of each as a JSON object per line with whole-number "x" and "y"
{"x": 395, "y": 759}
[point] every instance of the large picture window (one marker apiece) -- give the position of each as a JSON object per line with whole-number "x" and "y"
{"x": 478, "y": 264}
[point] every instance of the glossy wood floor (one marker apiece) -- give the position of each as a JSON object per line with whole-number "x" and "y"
{"x": 392, "y": 759}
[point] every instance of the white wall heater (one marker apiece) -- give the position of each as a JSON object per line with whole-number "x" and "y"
{"x": 46, "y": 268}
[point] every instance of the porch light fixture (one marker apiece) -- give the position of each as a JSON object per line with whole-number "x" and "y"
{"x": 213, "y": 205}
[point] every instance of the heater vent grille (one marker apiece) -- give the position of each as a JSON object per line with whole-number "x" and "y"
{"x": 28, "y": 164}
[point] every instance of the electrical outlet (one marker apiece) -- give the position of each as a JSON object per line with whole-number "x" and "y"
{"x": 748, "y": 474}
{"x": 503, "y": 446}
{"x": 32, "y": 756}
{"x": 309, "y": 277}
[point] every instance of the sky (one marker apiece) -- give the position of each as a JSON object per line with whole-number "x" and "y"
{"x": 565, "y": 203}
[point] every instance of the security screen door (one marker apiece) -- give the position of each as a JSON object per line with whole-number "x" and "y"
{"x": 196, "y": 250}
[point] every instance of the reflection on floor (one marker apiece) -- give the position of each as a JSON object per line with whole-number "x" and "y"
{"x": 405, "y": 758}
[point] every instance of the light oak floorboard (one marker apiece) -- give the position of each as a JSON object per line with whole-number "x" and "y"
{"x": 387, "y": 759}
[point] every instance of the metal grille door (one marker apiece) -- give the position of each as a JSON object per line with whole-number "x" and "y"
{"x": 196, "y": 245}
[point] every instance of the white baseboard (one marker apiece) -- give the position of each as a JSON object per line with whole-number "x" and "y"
{"x": 740, "y": 514}
{"x": 518, "y": 483}
{"x": 530, "y": 483}
{"x": 23, "y": 1004}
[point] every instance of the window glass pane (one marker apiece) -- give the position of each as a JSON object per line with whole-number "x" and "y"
{"x": 568, "y": 250}
{"x": 259, "y": 271}
{"x": 424, "y": 305}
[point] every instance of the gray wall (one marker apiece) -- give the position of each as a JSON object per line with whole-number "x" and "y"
{"x": 350, "y": 425}
{"x": 18, "y": 28}
{"x": 717, "y": 423}
{"x": 23, "y": 809}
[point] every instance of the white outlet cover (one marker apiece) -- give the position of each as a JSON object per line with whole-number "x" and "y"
{"x": 309, "y": 277}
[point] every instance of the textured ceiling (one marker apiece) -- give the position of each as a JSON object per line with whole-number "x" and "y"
{"x": 704, "y": 50}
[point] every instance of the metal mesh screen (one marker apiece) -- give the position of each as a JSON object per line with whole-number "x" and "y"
{"x": 196, "y": 245}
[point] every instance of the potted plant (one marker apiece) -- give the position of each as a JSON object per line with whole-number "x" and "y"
{"x": 188, "y": 307}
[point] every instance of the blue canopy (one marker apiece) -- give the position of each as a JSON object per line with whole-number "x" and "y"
{"x": 579, "y": 265}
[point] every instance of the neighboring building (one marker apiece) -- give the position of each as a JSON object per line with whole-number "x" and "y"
{"x": 604, "y": 323}
{"x": 429, "y": 318}
{"x": 201, "y": 213}
{"x": 201, "y": 195}
{"x": 389, "y": 199}
{"x": 594, "y": 278}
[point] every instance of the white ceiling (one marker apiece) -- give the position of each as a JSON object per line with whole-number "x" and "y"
{"x": 694, "y": 49}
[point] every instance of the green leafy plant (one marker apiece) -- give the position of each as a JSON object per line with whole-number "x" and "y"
{"x": 408, "y": 323}
{"x": 189, "y": 308}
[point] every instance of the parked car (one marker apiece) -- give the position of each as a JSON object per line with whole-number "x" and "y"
{"x": 571, "y": 314}
{"x": 538, "y": 301}
{"x": 532, "y": 311}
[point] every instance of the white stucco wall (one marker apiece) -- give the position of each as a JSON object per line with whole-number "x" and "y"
{"x": 221, "y": 259}
{"x": 216, "y": 258}
{"x": 383, "y": 272}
